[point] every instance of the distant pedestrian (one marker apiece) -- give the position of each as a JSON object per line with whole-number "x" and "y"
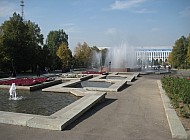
{"x": 14, "y": 73}
{"x": 38, "y": 71}
{"x": 46, "y": 70}
{"x": 169, "y": 68}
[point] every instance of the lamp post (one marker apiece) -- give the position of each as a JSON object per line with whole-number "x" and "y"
{"x": 13, "y": 69}
{"x": 110, "y": 66}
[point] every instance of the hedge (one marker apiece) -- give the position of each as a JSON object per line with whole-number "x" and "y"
{"x": 178, "y": 90}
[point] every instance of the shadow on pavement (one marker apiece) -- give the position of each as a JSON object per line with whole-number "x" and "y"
{"x": 90, "y": 112}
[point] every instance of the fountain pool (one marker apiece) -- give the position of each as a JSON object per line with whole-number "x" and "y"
{"x": 36, "y": 102}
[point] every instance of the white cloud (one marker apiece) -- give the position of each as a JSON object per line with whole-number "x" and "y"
{"x": 185, "y": 12}
{"x": 111, "y": 31}
{"x": 69, "y": 27}
{"x": 144, "y": 10}
{"x": 7, "y": 8}
{"x": 119, "y": 5}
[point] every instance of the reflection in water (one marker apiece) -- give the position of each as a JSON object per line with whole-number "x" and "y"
{"x": 36, "y": 102}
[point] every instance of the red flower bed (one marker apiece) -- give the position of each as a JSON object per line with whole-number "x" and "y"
{"x": 92, "y": 72}
{"x": 24, "y": 81}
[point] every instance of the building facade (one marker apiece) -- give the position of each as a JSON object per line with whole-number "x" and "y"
{"x": 152, "y": 56}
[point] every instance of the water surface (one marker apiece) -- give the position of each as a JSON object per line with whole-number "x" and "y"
{"x": 35, "y": 102}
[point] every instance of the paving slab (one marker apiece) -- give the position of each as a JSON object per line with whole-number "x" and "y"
{"x": 135, "y": 113}
{"x": 15, "y": 118}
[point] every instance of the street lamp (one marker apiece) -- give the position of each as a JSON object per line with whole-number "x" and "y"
{"x": 110, "y": 66}
{"x": 13, "y": 69}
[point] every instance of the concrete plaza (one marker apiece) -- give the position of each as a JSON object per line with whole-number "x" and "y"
{"x": 135, "y": 113}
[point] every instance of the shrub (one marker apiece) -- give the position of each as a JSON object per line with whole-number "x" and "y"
{"x": 178, "y": 90}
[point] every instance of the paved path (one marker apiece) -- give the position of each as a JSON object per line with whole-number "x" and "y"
{"x": 136, "y": 113}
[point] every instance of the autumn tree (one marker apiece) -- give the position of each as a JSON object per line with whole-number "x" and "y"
{"x": 170, "y": 58}
{"x": 82, "y": 55}
{"x": 65, "y": 55}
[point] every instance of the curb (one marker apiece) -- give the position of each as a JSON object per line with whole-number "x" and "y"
{"x": 176, "y": 127}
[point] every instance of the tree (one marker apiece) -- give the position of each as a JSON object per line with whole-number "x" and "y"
{"x": 104, "y": 55}
{"x": 170, "y": 59}
{"x": 179, "y": 52}
{"x": 94, "y": 48}
{"x": 188, "y": 50}
{"x": 82, "y": 55}
{"x": 45, "y": 57}
{"x": 34, "y": 44}
{"x": 14, "y": 42}
{"x": 96, "y": 57}
{"x": 65, "y": 54}
{"x": 18, "y": 41}
{"x": 53, "y": 41}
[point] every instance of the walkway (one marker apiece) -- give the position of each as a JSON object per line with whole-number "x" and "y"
{"x": 136, "y": 113}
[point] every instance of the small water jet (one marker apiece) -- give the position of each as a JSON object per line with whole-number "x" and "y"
{"x": 12, "y": 92}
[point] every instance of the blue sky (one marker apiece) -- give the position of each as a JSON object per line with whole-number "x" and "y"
{"x": 107, "y": 23}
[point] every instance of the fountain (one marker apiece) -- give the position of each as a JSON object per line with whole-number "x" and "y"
{"x": 12, "y": 92}
{"x": 122, "y": 59}
{"x": 96, "y": 59}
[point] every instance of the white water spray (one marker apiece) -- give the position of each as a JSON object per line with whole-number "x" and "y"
{"x": 12, "y": 92}
{"x": 122, "y": 56}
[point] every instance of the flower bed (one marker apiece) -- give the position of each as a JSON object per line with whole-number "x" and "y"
{"x": 178, "y": 90}
{"x": 24, "y": 81}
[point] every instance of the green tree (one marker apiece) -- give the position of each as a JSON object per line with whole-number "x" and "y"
{"x": 53, "y": 41}
{"x": 18, "y": 40}
{"x": 95, "y": 48}
{"x": 45, "y": 57}
{"x": 34, "y": 44}
{"x": 102, "y": 52}
{"x": 188, "y": 50}
{"x": 14, "y": 41}
{"x": 65, "y": 54}
{"x": 96, "y": 57}
{"x": 179, "y": 52}
{"x": 104, "y": 55}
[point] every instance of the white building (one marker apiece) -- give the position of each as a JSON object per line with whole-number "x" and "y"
{"x": 150, "y": 55}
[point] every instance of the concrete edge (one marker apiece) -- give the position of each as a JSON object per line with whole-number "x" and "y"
{"x": 67, "y": 86}
{"x": 64, "y": 117}
{"x": 176, "y": 127}
{"x": 57, "y": 121}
